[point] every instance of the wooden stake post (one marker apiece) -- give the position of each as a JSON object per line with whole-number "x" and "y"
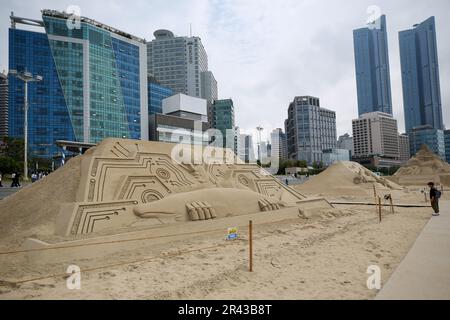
{"x": 250, "y": 241}
{"x": 376, "y": 198}
{"x": 379, "y": 207}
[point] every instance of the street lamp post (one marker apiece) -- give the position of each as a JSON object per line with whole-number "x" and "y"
{"x": 260, "y": 129}
{"x": 25, "y": 77}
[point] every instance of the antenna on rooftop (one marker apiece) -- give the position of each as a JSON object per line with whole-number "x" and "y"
{"x": 190, "y": 30}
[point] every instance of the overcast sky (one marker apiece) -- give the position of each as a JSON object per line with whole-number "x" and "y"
{"x": 263, "y": 52}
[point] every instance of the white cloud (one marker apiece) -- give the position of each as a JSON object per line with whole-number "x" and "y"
{"x": 263, "y": 53}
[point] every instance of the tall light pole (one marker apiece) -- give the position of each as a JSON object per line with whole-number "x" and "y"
{"x": 260, "y": 129}
{"x": 25, "y": 77}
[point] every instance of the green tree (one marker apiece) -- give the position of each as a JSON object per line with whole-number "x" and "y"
{"x": 8, "y": 165}
{"x": 14, "y": 148}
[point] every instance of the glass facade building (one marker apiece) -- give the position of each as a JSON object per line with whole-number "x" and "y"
{"x": 3, "y": 105}
{"x": 447, "y": 145}
{"x": 156, "y": 94}
{"x": 372, "y": 68}
{"x": 94, "y": 87}
{"x": 433, "y": 138}
{"x": 49, "y": 119}
{"x": 420, "y": 76}
{"x": 310, "y": 129}
{"x": 221, "y": 117}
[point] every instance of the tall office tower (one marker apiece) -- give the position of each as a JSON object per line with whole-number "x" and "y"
{"x": 94, "y": 82}
{"x": 310, "y": 129}
{"x": 3, "y": 105}
{"x": 156, "y": 94}
{"x": 209, "y": 86}
{"x": 246, "y": 151}
{"x": 403, "y": 146}
{"x": 376, "y": 134}
{"x": 178, "y": 63}
{"x": 278, "y": 144}
{"x": 222, "y": 118}
{"x": 420, "y": 76}
{"x": 373, "y": 78}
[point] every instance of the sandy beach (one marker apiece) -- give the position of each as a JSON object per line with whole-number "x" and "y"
{"x": 323, "y": 258}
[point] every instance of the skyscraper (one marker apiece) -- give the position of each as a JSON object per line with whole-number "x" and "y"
{"x": 373, "y": 79}
{"x": 94, "y": 82}
{"x": 278, "y": 144}
{"x": 178, "y": 63}
{"x": 310, "y": 129}
{"x": 3, "y": 105}
{"x": 221, "y": 117}
{"x": 420, "y": 76}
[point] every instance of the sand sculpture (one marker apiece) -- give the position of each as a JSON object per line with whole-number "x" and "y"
{"x": 349, "y": 179}
{"x": 123, "y": 184}
{"x": 424, "y": 167}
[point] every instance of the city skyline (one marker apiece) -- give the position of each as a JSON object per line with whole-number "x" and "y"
{"x": 254, "y": 40}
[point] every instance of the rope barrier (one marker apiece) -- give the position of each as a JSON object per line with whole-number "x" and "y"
{"x": 170, "y": 255}
{"x": 166, "y": 255}
{"x": 120, "y": 241}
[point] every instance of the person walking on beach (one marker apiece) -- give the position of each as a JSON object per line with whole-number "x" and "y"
{"x": 435, "y": 195}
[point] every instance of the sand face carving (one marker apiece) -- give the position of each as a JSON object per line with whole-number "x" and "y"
{"x": 125, "y": 184}
{"x": 425, "y": 162}
{"x": 424, "y": 167}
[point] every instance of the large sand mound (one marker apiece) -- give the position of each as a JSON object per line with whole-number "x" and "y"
{"x": 34, "y": 208}
{"x": 346, "y": 179}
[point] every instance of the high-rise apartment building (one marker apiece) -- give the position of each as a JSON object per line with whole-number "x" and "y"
{"x": 420, "y": 76}
{"x": 372, "y": 68}
{"x": 3, "y": 105}
{"x": 376, "y": 134}
{"x": 179, "y": 62}
{"x": 94, "y": 82}
{"x": 310, "y": 129}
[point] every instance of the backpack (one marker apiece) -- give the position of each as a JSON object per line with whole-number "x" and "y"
{"x": 438, "y": 194}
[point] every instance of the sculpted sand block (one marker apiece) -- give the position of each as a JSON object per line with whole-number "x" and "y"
{"x": 125, "y": 184}
{"x": 424, "y": 167}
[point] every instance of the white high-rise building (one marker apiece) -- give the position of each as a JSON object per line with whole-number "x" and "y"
{"x": 376, "y": 134}
{"x": 178, "y": 63}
